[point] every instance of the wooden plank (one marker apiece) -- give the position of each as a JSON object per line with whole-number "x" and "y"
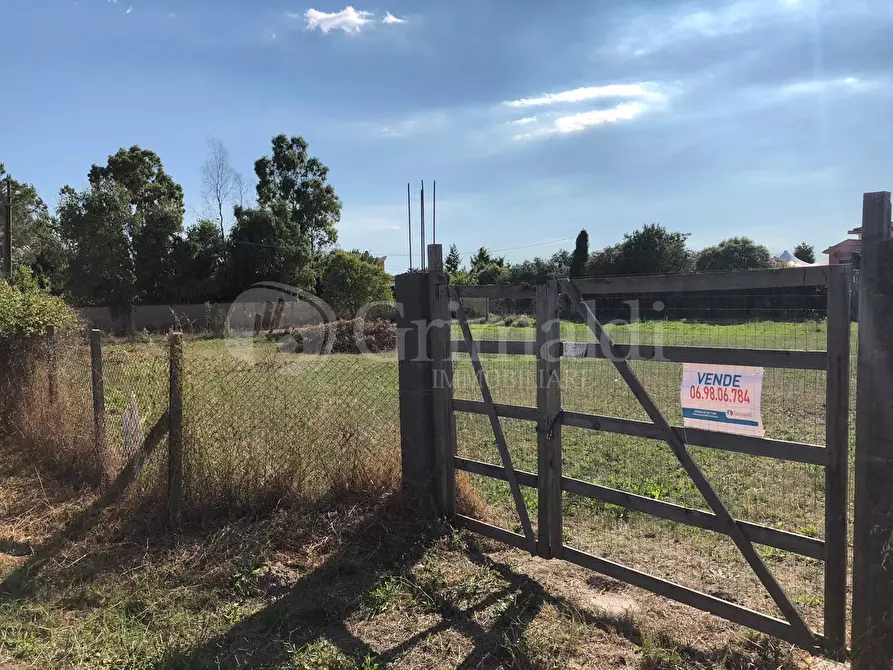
{"x": 175, "y": 430}
{"x": 837, "y": 403}
{"x": 708, "y": 281}
{"x": 498, "y": 434}
{"x": 694, "y": 472}
{"x": 754, "y": 446}
{"x": 494, "y": 532}
{"x": 507, "y": 291}
{"x": 517, "y": 348}
{"x": 798, "y": 544}
{"x": 795, "y": 452}
{"x": 505, "y": 411}
{"x": 767, "y": 358}
{"x": 702, "y": 601}
{"x": 495, "y": 471}
{"x": 548, "y": 402}
{"x": 98, "y": 388}
{"x": 442, "y": 391}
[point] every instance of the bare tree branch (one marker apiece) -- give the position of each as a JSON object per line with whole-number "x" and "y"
{"x": 218, "y": 180}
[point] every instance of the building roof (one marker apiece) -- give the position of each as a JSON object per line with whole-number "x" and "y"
{"x": 847, "y": 246}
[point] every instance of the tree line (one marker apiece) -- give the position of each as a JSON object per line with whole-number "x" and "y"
{"x": 122, "y": 240}
{"x": 651, "y": 249}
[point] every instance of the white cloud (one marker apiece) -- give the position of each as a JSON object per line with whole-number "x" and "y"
{"x": 172, "y": 15}
{"x": 527, "y": 120}
{"x": 814, "y": 86}
{"x": 348, "y": 19}
{"x": 129, "y": 9}
{"x": 390, "y": 18}
{"x": 589, "y": 93}
{"x": 574, "y": 123}
{"x": 651, "y": 33}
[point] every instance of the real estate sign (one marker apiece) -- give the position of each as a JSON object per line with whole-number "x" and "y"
{"x": 723, "y": 398}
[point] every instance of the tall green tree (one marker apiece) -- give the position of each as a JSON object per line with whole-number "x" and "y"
{"x": 580, "y": 255}
{"x": 651, "y": 250}
{"x": 95, "y": 225}
{"x": 263, "y": 246}
{"x": 453, "y": 261}
{"x": 154, "y": 230}
{"x": 35, "y": 233}
{"x": 805, "y": 252}
{"x": 295, "y": 184}
{"x": 202, "y": 257}
{"x": 735, "y": 253}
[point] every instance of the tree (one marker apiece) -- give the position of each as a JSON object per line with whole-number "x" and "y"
{"x": 35, "y": 233}
{"x": 295, "y": 184}
{"x": 218, "y": 181}
{"x": 651, "y": 250}
{"x": 805, "y": 252}
{"x": 485, "y": 266}
{"x": 350, "y": 282}
{"x": 201, "y": 262}
{"x": 94, "y": 225}
{"x": 735, "y": 253}
{"x": 453, "y": 261}
{"x": 580, "y": 255}
{"x": 263, "y": 246}
{"x": 153, "y": 231}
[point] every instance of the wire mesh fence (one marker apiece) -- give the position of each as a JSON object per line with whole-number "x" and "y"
{"x": 780, "y": 494}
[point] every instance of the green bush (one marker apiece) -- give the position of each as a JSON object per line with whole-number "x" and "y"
{"x": 26, "y": 309}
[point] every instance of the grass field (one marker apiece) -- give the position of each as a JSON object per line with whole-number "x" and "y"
{"x": 263, "y": 428}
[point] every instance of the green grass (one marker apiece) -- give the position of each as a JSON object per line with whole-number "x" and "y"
{"x": 263, "y": 427}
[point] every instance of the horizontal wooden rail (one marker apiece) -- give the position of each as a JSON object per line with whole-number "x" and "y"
{"x": 798, "y": 544}
{"x": 495, "y": 292}
{"x": 796, "y": 452}
{"x": 772, "y": 537}
{"x": 518, "y": 348}
{"x": 708, "y": 281}
{"x": 494, "y": 471}
{"x": 702, "y": 601}
{"x": 494, "y": 532}
{"x": 767, "y": 358}
{"x": 754, "y": 446}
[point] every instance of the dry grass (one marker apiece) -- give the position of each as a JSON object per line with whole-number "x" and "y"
{"x": 341, "y": 586}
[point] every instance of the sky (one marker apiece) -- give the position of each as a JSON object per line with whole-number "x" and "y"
{"x": 765, "y": 118}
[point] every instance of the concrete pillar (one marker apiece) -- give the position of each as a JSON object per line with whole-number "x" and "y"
{"x": 872, "y": 637}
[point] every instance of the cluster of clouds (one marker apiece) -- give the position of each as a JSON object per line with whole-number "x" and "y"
{"x": 633, "y": 100}
{"x": 349, "y": 20}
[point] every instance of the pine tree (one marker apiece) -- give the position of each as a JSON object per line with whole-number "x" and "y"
{"x": 453, "y": 260}
{"x": 580, "y": 255}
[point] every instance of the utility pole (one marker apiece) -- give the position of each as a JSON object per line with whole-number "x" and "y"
{"x": 7, "y": 231}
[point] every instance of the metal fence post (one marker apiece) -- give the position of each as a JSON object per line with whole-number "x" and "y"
{"x": 98, "y": 396}
{"x": 872, "y": 636}
{"x": 175, "y": 432}
{"x": 837, "y": 435}
{"x": 52, "y": 372}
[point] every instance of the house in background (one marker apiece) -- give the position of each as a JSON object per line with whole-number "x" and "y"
{"x": 843, "y": 252}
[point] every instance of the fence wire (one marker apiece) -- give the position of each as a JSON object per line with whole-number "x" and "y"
{"x": 780, "y": 494}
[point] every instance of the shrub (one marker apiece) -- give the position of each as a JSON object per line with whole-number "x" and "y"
{"x": 509, "y": 320}
{"x": 349, "y": 282}
{"x": 378, "y": 335}
{"x": 26, "y": 310}
{"x": 523, "y": 322}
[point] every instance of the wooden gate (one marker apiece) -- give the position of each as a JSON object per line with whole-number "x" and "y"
{"x": 549, "y": 417}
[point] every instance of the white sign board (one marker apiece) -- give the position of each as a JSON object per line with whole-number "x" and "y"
{"x": 722, "y": 398}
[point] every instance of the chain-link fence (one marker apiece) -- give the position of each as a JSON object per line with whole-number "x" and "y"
{"x": 262, "y": 425}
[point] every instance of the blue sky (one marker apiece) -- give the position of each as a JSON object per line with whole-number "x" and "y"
{"x": 767, "y": 118}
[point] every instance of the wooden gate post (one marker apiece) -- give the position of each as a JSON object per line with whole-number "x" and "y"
{"x": 548, "y": 403}
{"x": 873, "y": 523}
{"x": 98, "y": 397}
{"x": 443, "y": 417}
{"x": 414, "y": 372}
{"x": 175, "y": 432}
{"x": 837, "y": 436}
